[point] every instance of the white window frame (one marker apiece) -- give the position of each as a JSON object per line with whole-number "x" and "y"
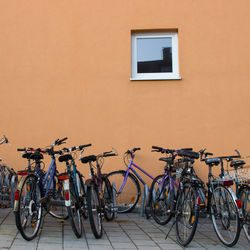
{"x": 155, "y": 76}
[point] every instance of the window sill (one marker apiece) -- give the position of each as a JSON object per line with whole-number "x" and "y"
{"x": 154, "y": 79}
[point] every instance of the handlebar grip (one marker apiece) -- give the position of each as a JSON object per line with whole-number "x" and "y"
{"x": 6, "y": 139}
{"x": 106, "y": 155}
{"x": 135, "y": 149}
{"x": 187, "y": 149}
{"x": 64, "y": 139}
{"x": 21, "y": 149}
{"x": 156, "y": 147}
{"x": 209, "y": 154}
{"x": 85, "y": 146}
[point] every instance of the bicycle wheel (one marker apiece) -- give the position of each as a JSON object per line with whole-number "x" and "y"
{"x": 187, "y": 214}
{"x": 29, "y": 212}
{"x": 108, "y": 199}
{"x": 58, "y": 209}
{"x": 224, "y": 214}
{"x": 160, "y": 199}
{"x": 74, "y": 210}
{"x": 245, "y": 200}
{"x": 95, "y": 211}
{"x": 127, "y": 198}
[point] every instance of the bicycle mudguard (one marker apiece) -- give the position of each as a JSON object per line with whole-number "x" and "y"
{"x": 18, "y": 189}
{"x": 240, "y": 213}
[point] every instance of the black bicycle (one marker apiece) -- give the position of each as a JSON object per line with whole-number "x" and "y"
{"x": 99, "y": 193}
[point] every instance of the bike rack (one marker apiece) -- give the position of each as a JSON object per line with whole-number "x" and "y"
{"x": 144, "y": 200}
{"x": 114, "y": 199}
{"x": 8, "y": 185}
{"x": 13, "y": 185}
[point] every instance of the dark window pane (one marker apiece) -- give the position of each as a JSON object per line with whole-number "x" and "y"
{"x": 154, "y": 55}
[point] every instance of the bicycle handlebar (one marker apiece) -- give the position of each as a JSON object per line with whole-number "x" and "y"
{"x": 131, "y": 151}
{"x": 59, "y": 142}
{"x": 107, "y": 155}
{"x": 168, "y": 151}
{"x": 228, "y": 158}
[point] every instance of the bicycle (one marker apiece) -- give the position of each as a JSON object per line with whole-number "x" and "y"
{"x": 38, "y": 191}
{"x": 163, "y": 190}
{"x": 188, "y": 198}
{"x": 222, "y": 204}
{"x": 74, "y": 189}
{"x": 242, "y": 193}
{"x": 128, "y": 189}
{"x": 99, "y": 194}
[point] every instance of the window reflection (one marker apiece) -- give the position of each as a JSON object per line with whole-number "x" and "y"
{"x": 154, "y": 55}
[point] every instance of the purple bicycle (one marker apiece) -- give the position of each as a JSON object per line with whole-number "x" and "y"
{"x": 128, "y": 189}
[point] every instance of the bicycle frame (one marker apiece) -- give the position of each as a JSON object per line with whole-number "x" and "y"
{"x": 136, "y": 174}
{"x": 131, "y": 163}
{"x": 49, "y": 176}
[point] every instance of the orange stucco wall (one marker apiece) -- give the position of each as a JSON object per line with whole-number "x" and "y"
{"x": 65, "y": 70}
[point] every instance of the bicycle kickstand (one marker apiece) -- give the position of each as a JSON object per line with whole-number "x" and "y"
{"x": 170, "y": 229}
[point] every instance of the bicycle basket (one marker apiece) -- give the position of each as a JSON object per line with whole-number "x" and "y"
{"x": 243, "y": 175}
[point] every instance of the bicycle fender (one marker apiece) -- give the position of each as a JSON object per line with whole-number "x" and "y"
{"x": 19, "y": 187}
{"x": 240, "y": 213}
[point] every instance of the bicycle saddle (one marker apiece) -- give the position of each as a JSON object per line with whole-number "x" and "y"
{"x": 166, "y": 159}
{"x": 27, "y": 155}
{"x": 66, "y": 157}
{"x": 212, "y": 161}
{"x": 236, "y": 164}
{"x": 36, "y": 156}
{"x": 190, "y": 154}
{"x": 89, "y": 158}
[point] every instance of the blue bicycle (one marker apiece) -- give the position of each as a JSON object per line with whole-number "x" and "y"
{"x": 37, "y": 191}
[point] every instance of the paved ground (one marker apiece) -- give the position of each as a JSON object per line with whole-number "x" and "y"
{"x": 129, "y": 231}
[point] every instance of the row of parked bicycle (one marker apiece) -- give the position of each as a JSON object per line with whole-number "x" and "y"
{"x": 180, "y": 194}
{"x": 177, "y": 193}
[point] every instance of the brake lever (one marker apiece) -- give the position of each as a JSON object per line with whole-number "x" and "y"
{"x": 115, "y": 150}
{"x": 237, "y": 151}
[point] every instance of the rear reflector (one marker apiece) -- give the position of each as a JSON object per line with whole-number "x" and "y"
{"x": 22, "y": 173}
{"x": 16, "y": 195}
{"x": 63, "y": 177}
{"x": 228, "y": 183}
{"x": 198, "y": 200}
{"x": 239, "y": 205}
{"x": 66, "y": 194}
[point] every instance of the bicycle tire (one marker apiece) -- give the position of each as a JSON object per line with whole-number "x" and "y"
{"x": 94, "y": 211}
{"x": 127, "y": 199}
{"x": 160, "y": 206}
{"x": 223, "y": 213}
{"x": 187, "y": 214}
{"x": 108, "y": 199}
{"x": 28, "y": 201}
{"x": 74, "y": 210}
{"x": 244, "y": 194}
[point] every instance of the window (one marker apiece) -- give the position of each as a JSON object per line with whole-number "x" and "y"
{"x": 155, "y": 56}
